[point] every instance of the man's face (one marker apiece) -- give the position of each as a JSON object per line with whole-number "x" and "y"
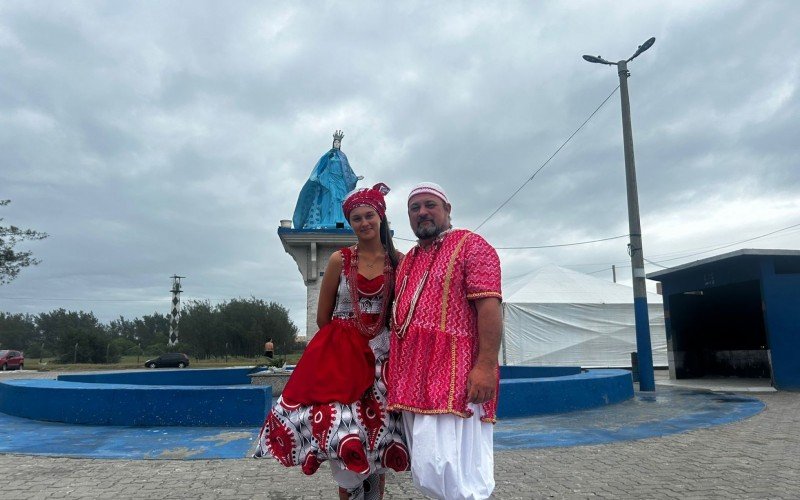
{"x": 429, "y": 215}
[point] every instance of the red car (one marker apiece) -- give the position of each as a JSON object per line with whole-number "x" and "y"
{"x": 10, "y": 360}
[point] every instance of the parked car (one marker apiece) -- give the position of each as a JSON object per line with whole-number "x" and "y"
{"x": 11, "y": 360}
{"x": 168, "y": 360}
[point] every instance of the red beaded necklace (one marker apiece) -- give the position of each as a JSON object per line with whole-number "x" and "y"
{"x": 352, "y": 278}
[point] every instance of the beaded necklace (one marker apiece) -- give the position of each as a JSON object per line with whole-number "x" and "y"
{"x": 401, "y": 330}
{"x": 352, "y": 277}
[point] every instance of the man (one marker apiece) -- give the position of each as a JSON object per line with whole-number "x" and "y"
{"x": 443, "y": 369}
{"x": 269, "y": 348}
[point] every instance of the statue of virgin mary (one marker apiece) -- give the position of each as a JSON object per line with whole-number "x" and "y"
{"x": 319, "y": 205}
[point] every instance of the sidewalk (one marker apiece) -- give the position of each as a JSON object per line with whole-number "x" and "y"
{"x": 753, "y": 458}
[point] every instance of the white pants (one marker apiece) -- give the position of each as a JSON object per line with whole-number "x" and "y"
{"x": 347, "y": 479}
{"x": 452, "y": 458}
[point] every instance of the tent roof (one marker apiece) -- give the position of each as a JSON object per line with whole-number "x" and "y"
{"x": 552, "y": 284}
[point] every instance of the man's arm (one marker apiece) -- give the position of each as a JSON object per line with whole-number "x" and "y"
{"x": 482, "y": 381}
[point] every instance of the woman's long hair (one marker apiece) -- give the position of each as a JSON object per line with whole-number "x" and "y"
{"x": 388, "y": 244}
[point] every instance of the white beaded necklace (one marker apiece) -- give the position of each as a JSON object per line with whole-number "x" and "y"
{"x": 401, "y": 331}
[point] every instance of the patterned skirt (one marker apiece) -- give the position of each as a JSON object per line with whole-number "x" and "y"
{"x": 362, "y": 435}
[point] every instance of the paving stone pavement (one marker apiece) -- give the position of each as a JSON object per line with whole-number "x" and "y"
{"x": 755, "y": 458}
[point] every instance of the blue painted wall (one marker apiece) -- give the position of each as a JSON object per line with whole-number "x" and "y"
{"x": 89, "y": 399}
{"x": 135, "y": 405}
{"x": 541, "y": 396}
{"x": 781, "y": 295}
{"x": 516, "y": 371}
{"x": 781, "y": 305}
{"x": 161, "y": 376}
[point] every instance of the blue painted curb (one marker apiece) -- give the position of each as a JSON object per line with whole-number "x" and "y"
{"x": 527, "y": 397}
{"x": 160, "y": 376}
{"x": 135, "y": 405}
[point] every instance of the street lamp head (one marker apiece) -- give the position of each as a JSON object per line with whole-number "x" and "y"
{"x": 646, "y": 45}
{"x": 596, "y": 59}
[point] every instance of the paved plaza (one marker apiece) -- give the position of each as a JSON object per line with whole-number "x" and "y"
{"x": 752, "y": 458}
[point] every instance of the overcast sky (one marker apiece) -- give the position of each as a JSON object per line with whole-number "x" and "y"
{"x": 152, "y": 138}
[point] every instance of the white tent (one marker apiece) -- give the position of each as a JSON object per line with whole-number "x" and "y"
{"x": 559, "y": 317}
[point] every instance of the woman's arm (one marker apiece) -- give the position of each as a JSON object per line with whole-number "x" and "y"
{"x": 328, "y": 288}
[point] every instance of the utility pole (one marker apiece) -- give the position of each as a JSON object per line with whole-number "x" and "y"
{"x": 643, "y": 347}
{"x": 176, "y": 309}
{"x": 614, "y": 272}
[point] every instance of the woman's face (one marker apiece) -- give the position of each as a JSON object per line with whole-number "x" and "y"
{"x": 365, "y": 222}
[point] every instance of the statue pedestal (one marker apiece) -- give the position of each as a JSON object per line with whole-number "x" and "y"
{"x": 311, "y": 249}
{"x": 275, "y": 379}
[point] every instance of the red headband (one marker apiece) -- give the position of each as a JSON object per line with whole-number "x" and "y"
{"x": 371, "y": 197}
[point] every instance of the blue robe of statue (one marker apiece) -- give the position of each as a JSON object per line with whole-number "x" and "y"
{"x": 319, "y": 205}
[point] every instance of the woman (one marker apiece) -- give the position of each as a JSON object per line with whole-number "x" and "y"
{"x": 334, "y": 405}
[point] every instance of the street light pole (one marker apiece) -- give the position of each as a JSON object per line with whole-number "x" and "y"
{"x": 643, "y": 348}
{"x": 641, "y": 315}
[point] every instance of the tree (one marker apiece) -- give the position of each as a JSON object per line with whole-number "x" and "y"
{"x": 61, "y": 330}
{"x": 11, "y": 261}
{"x": 123, "y": 328}
{"x": 238, "y": 327}
{"x": 123, "y": 346}
{"x": 151, "y": 329}
{"x": 282, "y": 329}
{"x": 17, "y": 331}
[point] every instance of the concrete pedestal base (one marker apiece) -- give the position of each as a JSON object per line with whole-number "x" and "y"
{"x": 275, "y": 379}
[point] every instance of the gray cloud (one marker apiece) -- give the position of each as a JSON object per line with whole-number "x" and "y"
{"x": 155, "y": 138}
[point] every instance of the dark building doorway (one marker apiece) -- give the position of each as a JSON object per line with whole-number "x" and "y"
{"x": 735, "y": 314}
{"x": 720, "y": 331}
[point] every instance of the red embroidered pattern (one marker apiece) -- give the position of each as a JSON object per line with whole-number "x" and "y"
{"x": 430, "y": 365}
{"x": 370, "y": 415}
{"x": 322, "y": 418}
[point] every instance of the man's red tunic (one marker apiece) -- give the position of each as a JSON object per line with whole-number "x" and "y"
{"x": 430, "y": 364}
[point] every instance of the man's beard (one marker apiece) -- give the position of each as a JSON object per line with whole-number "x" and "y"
{"x": 428, "y": 230}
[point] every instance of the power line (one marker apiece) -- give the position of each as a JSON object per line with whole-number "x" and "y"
{"x": 166, "y": 299}
{"x": 84, "y": 300}
{"x": 601, "y": 271}
{"x": 729, "y": 244}
{"x": 548, "y": 160}
{"x": 655, "y": 263}
{"x": 709, "y": 248}
{"x": 543, "y": 246}
{"x": 618, "y": 265}
{"x": 627, "y": 263}
{"x": 563, "y": 244}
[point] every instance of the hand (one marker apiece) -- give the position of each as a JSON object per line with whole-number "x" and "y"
{"x": 481, "y": 384}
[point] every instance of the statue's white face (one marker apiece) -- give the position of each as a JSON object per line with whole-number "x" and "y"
{"x": 337, "y": 144}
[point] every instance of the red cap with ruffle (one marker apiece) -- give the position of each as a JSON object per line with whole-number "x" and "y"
{"x": 371, "y": 197}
